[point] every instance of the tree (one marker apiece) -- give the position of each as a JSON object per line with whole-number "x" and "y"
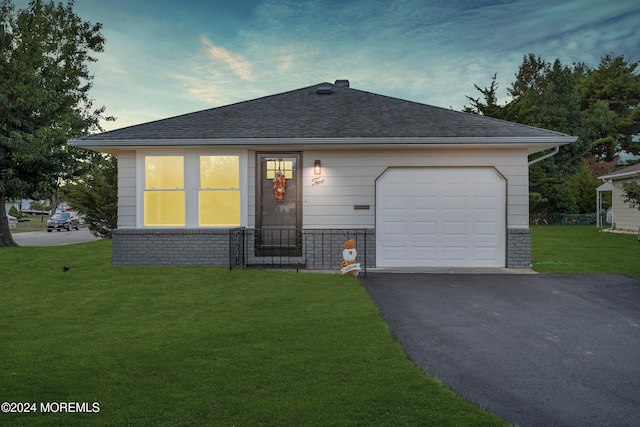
{"x": 531, "y": 76}
{"x": 545, "y": 95}
{"x": 631, "y": 192}
{"x": 489, "y": 107}
{"x": 583, "y": 185}
{"x": 45, "y": 50}
{"x": 40, "y": 206}
{"x": 600, "y": 106}
{"x": 96, "y": 196}
{"x": 598, "y": 167}
{"x": 538, "y": 208}
{"x": 610, "y": 100}
{"x": 551, "y": 194}
{"x": 13, "y": 211}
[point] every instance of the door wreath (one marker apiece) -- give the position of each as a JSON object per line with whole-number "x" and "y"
{"x": 279, "y": 183}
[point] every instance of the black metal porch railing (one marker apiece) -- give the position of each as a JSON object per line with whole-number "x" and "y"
{"x": 294, "y": 248}
{"x": 236, "y": 248}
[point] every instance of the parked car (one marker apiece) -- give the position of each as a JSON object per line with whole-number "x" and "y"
{"x": 12, "y": 220}
{"x": 63, "y": 220}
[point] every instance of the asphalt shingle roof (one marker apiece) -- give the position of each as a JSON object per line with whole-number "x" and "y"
{"x": 342, "y": 113}
{"x": 623, "y": 173}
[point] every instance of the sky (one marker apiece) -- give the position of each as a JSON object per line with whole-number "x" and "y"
{"x": 165, "y": 58}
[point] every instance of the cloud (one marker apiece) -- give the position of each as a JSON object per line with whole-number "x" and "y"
{"x": 210, "y": 73}
{"x": 413, "y": 49}
{"x": 236, "y": 63}
{"x": 198, "y": 87}
{"x": 430, "y": 51}
{"x": 117, "y": 70}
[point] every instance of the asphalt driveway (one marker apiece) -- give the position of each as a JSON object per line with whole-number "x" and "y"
{"x": 55, "y": 238}
{"x": 537, "y": 350}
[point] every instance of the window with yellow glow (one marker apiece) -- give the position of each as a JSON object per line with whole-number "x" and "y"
{"x": 164, "y": 194}
{"x": 285, "y": 166}
{"x": 219, "y": 194}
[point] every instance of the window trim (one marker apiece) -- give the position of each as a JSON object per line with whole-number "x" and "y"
{"x": 191, "y": 183}
{"x": 200, "y": 189}
{"x": 148, "y": 190}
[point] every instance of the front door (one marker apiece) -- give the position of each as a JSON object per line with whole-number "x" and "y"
{"x": 278, "y": 209}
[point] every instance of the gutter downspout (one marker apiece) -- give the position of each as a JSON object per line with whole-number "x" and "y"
{"x": 546, "y": 156}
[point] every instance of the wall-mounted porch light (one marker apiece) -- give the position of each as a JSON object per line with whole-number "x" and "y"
{"x": 317, "y": 167}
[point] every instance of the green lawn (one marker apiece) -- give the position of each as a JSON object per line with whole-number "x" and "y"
{"x": 35, "y": 223}
{"x": 203, "y": 346}
{"x": 584, "y": 249}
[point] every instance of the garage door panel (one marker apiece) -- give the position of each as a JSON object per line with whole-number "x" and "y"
{"x": 437, "y": 217}
{"x": 454, "y": 228}
{"x": 426, "y": 177}
{"x": 391, "y": 203}
{"x": 485, "y": 229}
{"x": 425, "y": 203}
{"x": 397, "y": 179}
{"x": 485, "y": 253}
{"x": 425, "y": 253}
{"x": 425, "y": 229}
{"x": 486, "y": 203}
{"x": 395, "y": 229}
{"x": 455, "y": 253}
{"x": 455, "y": 203}
{"x": 485, "y": 177}
{"x": 453, "y": 178}
{"x": 398, "y": 253}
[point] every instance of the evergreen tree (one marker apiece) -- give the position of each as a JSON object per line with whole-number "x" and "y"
{"x": 601, "y": 107}
{"x": 95, "y": 196}
{"x": 610, "y": 102}
{"x": 631, "y": 192}
{"x": 489, "y": 107}
{"x": 583, "y": 185}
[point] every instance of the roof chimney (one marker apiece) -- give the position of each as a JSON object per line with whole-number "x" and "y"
{"x": 343, "y": 83}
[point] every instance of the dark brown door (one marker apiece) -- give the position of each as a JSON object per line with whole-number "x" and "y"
{"x": 278, "y": 215}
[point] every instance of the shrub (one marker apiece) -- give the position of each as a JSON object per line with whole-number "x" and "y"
{"x": 14, "y": 212}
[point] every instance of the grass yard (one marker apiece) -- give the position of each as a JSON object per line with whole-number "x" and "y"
{"x": 35, "y": 223}
{"x": 584, "y": 249}
{"x": 203, "y": 346}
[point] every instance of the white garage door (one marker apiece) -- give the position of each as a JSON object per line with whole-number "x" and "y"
{"x": 440, "y": 217}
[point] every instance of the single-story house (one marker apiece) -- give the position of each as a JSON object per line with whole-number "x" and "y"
{"x": 623, "y": 216}
{"x": 421, "y": 186}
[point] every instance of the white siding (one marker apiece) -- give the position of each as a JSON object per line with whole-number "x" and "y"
{"x": 625, "y": 217}
{"x": 349, "y": 179}
{"x": 126, "y": 189}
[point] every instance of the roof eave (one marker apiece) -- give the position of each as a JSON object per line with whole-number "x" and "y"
{"x": 625, "y": 175}
{"x": 534, "y": 144}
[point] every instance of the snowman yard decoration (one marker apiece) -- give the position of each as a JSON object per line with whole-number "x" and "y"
{"x": 350, "y": 265}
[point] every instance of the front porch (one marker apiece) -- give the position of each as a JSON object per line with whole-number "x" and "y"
{"x": 310, "y": 249}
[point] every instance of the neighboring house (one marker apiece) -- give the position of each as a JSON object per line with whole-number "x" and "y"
{"x": 18, "y": 204}
{"x": 425, "y": 186}
{"x": 24, "y": 204}
{"x": 624, "y": 217}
